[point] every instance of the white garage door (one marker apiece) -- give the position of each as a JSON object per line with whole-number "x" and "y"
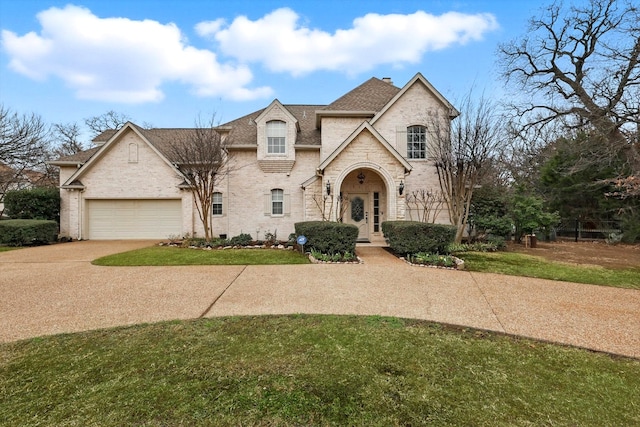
{"x": 134, "y": 219}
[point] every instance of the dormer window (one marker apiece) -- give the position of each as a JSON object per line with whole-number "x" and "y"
{"x": 276, "y": 137}
{"x": 416, "y": 142}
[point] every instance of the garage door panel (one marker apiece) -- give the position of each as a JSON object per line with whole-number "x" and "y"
{"x": 134, "y": 219}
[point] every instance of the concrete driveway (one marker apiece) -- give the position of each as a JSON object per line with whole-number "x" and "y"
{"x": 55, "y": 289}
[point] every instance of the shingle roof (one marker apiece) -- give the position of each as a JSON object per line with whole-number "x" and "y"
{"x": 244, "y": 131}
{"x": 79, "y": 157}
{"x": 371, "y": 95}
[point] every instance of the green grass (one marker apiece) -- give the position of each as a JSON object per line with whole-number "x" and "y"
{"x": 310, "y": 370}
{"x": 8, "y": 248}
{"x": 168, "y": 255}
{"x": 531, "y": 266}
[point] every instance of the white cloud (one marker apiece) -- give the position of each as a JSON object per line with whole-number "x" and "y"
{"x": 282, "y": 45}
{"x": 121, "y": 60}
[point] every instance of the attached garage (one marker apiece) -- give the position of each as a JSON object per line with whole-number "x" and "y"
{"x": 133, "y": 219}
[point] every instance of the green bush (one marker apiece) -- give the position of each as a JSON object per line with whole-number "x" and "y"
{"x": 243, "y": 239}
{"x": 328, "y": 237}
{"x": 411, "y": 237}
{"x": 34, "y": 203}
{"x": 20, "y": 232}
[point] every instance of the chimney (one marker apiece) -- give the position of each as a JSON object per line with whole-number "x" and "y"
{"x": 387, "y": 80}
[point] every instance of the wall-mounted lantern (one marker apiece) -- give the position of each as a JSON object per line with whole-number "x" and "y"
{"x": 401, "y": 187}
{"x": 328, "y": 188}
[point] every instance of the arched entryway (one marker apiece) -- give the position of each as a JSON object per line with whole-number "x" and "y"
{"x": 365, "y": 200}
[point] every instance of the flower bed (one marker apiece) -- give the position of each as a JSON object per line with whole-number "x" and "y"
{"x": 422, "y": 259}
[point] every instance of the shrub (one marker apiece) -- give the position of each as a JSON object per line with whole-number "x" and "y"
{"x": 328, "y": 237}
{"x": 411, "y": 237}
{"x": 201, "y": 242}
{"x": 456, "y": 248}
{"x": 35, "y": 203}
{"x": 20, "y": 232}
{"x": 242, "y": 239}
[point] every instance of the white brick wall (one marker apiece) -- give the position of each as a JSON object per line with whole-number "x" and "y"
{"x": 247, "y": 186}
{"x": 335, "y": 131}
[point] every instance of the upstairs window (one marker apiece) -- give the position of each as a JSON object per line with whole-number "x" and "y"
{"x": 276, "y": 137}
{"x": 416, "y": 142}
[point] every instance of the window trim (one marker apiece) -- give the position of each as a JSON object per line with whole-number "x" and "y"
{"x": 280, "y": 193}
{"x": 421, "y": 153}
{"x": 276, "y": 133}
{"x": 215, "y": 202}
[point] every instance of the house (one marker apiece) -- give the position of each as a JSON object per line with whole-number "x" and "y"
{"x": 354, "y": 160}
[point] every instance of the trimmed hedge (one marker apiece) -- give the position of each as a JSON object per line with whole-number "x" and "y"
{"x": 412, "y": 237}
{"x": 20, "y": 232}
{"x": 33, "y": 203}
{"x": 328, "y": 237}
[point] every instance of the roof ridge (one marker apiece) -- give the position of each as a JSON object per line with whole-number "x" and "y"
{"x": 371, "y": 95}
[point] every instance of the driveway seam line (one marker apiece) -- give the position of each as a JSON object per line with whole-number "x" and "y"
{"x": 208, "y": 309}
{"x": 504, "y": 330}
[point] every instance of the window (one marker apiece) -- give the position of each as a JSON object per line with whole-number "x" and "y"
{"x": 217, "y": 204}
{"x": 416, "y": 142}
{"x": 277, "y": 202}
{"x": 376, "y": 212}
{"x": 276, "y": 137}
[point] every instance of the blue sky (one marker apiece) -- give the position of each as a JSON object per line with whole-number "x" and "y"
{"x": 165, "y": 62}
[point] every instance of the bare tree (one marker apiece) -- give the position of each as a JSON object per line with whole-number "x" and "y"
{"x": 24, "y": 149}
{"x": 579, "y": 68}
{"x": 67, "y": 138}
{"x": 462, "y": 153}
{"x": 106, "y": 121}
{"x": 426, "y": 204}
{"x": 203, "y": 160}
{"x": 324, "y": 204}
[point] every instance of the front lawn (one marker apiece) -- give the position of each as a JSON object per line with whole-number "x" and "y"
{"x": 310, "y": 370}
{"x": 169, "y": 255}
{"x": 516, "y": 264}
{"x": 8, "y": 248}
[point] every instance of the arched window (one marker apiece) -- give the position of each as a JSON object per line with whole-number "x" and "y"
{"x": 276, "y": 137}
{"x": 277, "y": 202}
{"x": 416, "y": 142}
{"x": 216, "y": 208}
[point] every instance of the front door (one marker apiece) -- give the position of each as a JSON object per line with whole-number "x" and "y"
{"x": 358, "y": 214}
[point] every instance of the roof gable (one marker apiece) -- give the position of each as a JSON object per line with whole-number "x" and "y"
{"x": 277, "y": 104}
{"x": 243, "y": 131}
{"x": 365, "y": 126}
{"x": 104, "y": 148}
{"x": 417, "y": 79}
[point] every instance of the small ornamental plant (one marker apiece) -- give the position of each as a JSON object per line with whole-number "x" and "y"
{"x": 436, "y": 260}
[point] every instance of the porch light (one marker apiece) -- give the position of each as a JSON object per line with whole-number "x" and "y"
{"x": 401, "y": 187}
{"x": 361, "y": 177}
{"x": 328, "y": 188}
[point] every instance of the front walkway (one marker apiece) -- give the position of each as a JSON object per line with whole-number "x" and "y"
{"x": 54, "y": 289}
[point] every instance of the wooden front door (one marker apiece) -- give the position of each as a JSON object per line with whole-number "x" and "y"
{"x": 358, "y": 214}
